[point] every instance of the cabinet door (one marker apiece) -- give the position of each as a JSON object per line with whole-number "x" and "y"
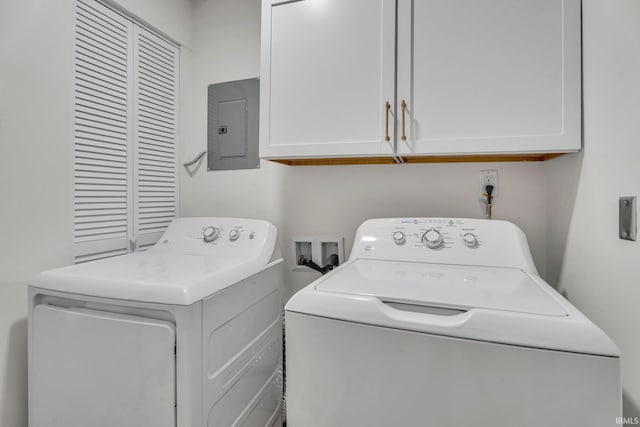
{"x": 489, "y": 76}
{"x": 327, "y": 71}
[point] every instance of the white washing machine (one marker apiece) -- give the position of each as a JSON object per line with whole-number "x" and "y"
{"x": 444, "y": 322}
{"x": 185, "y": 334}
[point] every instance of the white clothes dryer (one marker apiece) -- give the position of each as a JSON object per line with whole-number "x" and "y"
{"x": 444, "y": 322}
{"x": 187, "y": 333}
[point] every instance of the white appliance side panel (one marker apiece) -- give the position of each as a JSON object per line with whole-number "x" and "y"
{"x": 342, "y": 373}
{"x": 267, "y": 407}
{"x": 93, "y": 368}
{"x": 242, "y": 352}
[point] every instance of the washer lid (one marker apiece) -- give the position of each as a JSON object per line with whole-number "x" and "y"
{"x": 487, "y": 304}
{"x": 446, "y": 286}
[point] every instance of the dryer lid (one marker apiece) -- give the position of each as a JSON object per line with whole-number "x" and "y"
{"x": 446, "y": 286}
{"x": 181, "y": 268}
{"x": 153, "y": 277}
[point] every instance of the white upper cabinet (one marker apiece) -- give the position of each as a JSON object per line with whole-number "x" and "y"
{"x": 489, "y": 76}
{"x": 462, "y": 77}
{"x": 327, "y": 72}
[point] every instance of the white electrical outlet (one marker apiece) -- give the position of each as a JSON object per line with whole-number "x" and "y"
{"x": 489, "y": 178}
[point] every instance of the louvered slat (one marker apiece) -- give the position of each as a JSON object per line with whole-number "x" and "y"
{"x": 101, "y": 132}
{"x": 99, "y": 109}
{"x": 159, "y": 163}
{"x": 155, "y": 117}
{"x": 155, "y": 133}
{"x": 94, "y": 136}
{"x": 153, "y": 111}
{"x": 96, "y": 99}
{"x": 156, "y": 180}
{"x": 160, "y": 156}
{"x": 155, "y": 214}
{"x": 88, "y": 219}
{"x": 156, "y": 127}
{"x": 157, "y": 146}
{"x": 162, "y": 48}
{"x": 104, "y": 206}
{"x": 99, "y": 255}
{"x": 159, "y": 143}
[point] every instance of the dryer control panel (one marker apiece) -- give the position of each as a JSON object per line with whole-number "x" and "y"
{"x": 221, "y": 237}
{"x": 444, "y": 240}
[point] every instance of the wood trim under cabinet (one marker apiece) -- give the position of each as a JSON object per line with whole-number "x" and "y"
{"x": 336, "y": 161}
{"x": 420, "y": 159}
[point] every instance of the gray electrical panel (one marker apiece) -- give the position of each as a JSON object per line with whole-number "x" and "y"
{"x": 232, "y": 125}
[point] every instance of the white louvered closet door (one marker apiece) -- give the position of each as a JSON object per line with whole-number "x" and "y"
{"x": 102, "y": 132}
{"x": 125, "y": 134}
{"x": 155, "y": 136}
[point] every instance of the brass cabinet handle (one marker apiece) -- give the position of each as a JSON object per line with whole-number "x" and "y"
{"x": 404, "y": 108}
{"x": 387, "y": 108}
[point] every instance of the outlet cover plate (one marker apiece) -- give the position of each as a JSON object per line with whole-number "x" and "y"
{"x": 489, "y": 177}
{"x": 627, "y": 219}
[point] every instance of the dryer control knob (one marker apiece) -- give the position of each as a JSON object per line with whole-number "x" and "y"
{"x": 470, "y": 240}
{"x": 233, "y": 235}
{"x": 210, "y": 234}
{"x": 399, "y": 238}
{"x": 433, "y": 239}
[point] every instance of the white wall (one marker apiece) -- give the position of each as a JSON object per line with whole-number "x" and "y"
{"x": 226, "y": 46}
{"x": 169, "y": 17}
{"x": 35, "y": 172}
{"x": 599, "y": 272}
{"x": 36, "y": 218}
{"x": 335, "y": 200}
{"x": 36, "y": 39}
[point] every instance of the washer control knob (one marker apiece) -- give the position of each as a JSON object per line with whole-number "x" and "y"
{"x": 399, "y": 238}
{"x": 470, "y": 240}
{"x": 233, "y": 235}
{"x": 433, "y": 239}
{"x": 210, "y": 234}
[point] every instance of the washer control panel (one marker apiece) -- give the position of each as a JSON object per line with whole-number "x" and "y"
{"x": 435, "y": 234}
{"x": 443, "y": 240}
